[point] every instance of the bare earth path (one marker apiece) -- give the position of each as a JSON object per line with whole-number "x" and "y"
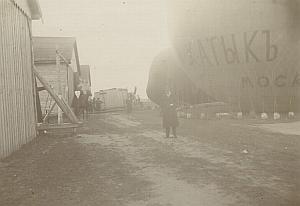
{"x": 119, "y": 159}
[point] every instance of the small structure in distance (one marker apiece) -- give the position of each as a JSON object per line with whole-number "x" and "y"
{"x": 112, "y": 99}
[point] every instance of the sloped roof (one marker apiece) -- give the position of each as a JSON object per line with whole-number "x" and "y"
{"x": 35, "y": 9}
{"x": 85, "y": 73}
{"x": 44, "y": 49}
{"x": 30, "y": 7}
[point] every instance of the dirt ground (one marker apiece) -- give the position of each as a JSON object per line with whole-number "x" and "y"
{"x": 119, "y": 159}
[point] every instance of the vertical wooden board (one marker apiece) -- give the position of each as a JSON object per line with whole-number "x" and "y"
{"x": 5, "y": 76}
{"x": 2, "y": 131}
{"x": 12, "y": 93}
{"x": 19, "y": 85}
{"x": 26, "y": 115}
{"x": 29, "y": 97}
{"x": 71, "y": 85}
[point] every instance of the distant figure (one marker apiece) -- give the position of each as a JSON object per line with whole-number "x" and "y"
{"x": 139, "y": 102}
{"x": 97, "y": 104}
{"x": 129, "y": 104}
{"x": 75, "y": 103}
{"x": 83, "y": 104}
{"x": 90, "y": 104}
{"x": 169, "y": 116}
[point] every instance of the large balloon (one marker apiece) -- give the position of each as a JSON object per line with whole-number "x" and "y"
{"x": 244, "y": 52}
{"x": 166, "y": 75}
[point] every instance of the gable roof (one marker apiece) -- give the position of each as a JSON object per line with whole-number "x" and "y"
{"x": 44, "y": 49}
{"x": 30, "y": 7}
{"x": 85, "y": 73}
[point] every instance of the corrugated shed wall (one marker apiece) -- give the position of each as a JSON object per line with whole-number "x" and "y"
{"x": 17, "y": 110}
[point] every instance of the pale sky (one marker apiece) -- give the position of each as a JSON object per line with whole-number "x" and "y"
{"x": 117, "y": 38}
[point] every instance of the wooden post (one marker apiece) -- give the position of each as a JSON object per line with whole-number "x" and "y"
{"x": 49, "y": 112}
{"x": 59, "y": 116}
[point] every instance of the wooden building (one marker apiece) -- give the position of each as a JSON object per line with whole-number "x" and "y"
{"x": 85, "y": 79}
{"x": 114, "y": 98}
{"x": 63, "y": 79}
{"x": 17, "y": 107}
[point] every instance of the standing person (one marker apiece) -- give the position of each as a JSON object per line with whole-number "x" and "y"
{"x": 129, "y": 104}
{"x": 90, "y": 104}
{"x": 75, "y": 103}
{"x": 83, "y": 104}
{"x": 139, "y": 102}
{"x": 169, "y": 115}
{"x": 98, "y": 104}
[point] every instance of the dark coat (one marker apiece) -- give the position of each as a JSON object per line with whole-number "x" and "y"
{"x": 169, "y": 114}
{"x": 76, "y": 105}
{"x": 83, "y": 101}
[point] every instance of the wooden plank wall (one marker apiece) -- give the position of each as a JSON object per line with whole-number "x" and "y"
{"x": 50, "y": 74}
{"x": 17, "y": 110}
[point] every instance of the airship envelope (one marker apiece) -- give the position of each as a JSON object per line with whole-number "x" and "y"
{"x": 244, "y": 52}
{"x": 165, "y": 76}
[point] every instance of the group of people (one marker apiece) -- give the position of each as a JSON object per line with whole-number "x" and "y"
{"x": 81, "y": 103}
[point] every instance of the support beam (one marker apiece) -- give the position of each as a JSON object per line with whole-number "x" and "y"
{"x": 65, "y": 108}
{"x": 42, "y": 127}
